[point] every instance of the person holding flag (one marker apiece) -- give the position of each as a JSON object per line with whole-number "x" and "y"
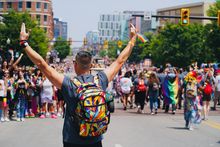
{"x": 82, "y": 66}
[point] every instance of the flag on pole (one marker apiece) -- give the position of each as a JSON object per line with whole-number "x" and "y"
{"x": 142, "y": 38}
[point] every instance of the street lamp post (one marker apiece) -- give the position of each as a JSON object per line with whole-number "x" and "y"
{"x": 10, "y": 54}
{"x": 8, "y": 41}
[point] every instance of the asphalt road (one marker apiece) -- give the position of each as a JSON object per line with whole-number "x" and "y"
{"x": 127, "y": 129}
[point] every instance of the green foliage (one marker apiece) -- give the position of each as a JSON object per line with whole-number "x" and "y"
{"x": 181, "y": 46}
{"x": 103, "y": 53}
{"x": 62, "y": 47}
{"x": 212, "y": 11}
{"x": 11, "y": 29}
{"x": 213, "y": 39}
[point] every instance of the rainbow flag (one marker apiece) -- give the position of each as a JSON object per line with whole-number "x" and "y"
{"x": 142, "y": 38}
{"x": 170, "y": 90}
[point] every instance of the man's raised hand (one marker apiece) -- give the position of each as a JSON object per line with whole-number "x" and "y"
{"x": 23, "y": 34}
{"x": 133, "y": 30}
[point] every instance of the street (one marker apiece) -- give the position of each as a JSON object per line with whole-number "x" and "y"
{"x": 127, "y": 129}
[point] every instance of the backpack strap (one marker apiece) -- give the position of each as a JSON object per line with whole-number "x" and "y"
{"x": 96, "y": 80}
{"x": 76, "y": 82}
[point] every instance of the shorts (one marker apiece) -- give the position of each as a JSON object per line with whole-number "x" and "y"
{"x": 217, "y": 95}
{"x": 46, "y": 100}
{"x": 126, "y": 95}
{"x": 206, "y": 97}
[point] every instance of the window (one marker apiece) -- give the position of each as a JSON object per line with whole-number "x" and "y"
{"x": 20, "y": 5}
{"x": 103, "y": 18}
{"x": 45, "y": 6}
{"x": 28, "y": 5}
{"x": 9, "y": 5}
{"x": 38, "y": 5}
{"x": 45, "y": 30}
{"x": 1, "y": 5}
{"x": 45, "y": 18}
{"x": 111, "y": 25}
{"x": 117, "y": 26}
{"x": 38, "y": 17}
{"x": 113, "y": 33}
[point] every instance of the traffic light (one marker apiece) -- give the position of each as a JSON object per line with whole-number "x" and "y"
{"x": 218, "y": 18}
{"x": 119, "y": 44}
{"x": 185, "y": 17}
{"x": 105, "y": 44}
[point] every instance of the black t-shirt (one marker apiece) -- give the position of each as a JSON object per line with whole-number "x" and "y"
{"x": 70, "y": 134}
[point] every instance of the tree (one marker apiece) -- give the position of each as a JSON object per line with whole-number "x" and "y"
{"x": 11, "y": 29}
{"x": 180, "y": 45}
{"x": 62, "y": 47}
{"x": 213, "y": 31}
{"x": 213, "y": 9}
{"x": 103, "y": 53}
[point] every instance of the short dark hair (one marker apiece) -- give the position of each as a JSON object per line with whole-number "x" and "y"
{"x": 84, "y": 59}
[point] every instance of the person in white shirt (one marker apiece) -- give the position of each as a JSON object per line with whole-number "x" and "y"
{"x": 3, "y": 90}
{"x": 126, "y": 87}
{"x": 47, "y": 94}
{"x": 217, "y": 89}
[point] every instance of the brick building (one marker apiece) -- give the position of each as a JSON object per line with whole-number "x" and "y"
{"x": 40, "y": 10}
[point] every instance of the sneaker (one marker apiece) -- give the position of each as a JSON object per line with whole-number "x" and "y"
{"x": 54, "y": 116}
{"x": 18, "y": 119}
{"x": 47, "y": 114}
{"x": 190, "y": 128}
{"x": 6, "y": 119}
{"x": 2, "y": 119}
{"x": 42, "y": 116}
{"x": 139, "y": 109}
{"x": 59, "y": 115}
{"x": 22, "y": 119}
{"x": 204, "y": 119}
{"x": 31, "y": 115}
{"x": 152, "y": 113}
{"x": 174, "y": 112}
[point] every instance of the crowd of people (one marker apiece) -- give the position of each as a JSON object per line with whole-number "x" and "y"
{"x": 25, "y": 92}
{"x": 191, "y": 90}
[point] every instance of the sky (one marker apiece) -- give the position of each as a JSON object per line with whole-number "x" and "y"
{"x": 83, "y": 15}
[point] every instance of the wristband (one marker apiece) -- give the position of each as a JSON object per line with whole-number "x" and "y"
{"x": 24, "y": 43}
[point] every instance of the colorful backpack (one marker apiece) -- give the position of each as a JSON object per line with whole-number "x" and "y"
{"x": 141, "y": 86}
{"x": 92, "y": 114}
